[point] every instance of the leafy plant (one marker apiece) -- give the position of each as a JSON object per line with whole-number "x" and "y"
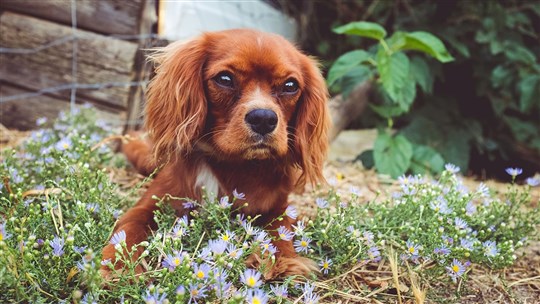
{"x": 397, "y": 76}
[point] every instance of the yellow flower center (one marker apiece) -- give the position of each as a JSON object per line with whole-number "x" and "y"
{"x": 65, "y": 146}
{"x": 251, "y": 281}
{"x": 325, "y": 265}
{"x": 303, "y": 243}
{"x": 195, "y": 292}
{"x": 1, "y": 237}
{"x": 255, "y": 300}
{"x": 176, "y": 261}
{"x": 232, "y": 254}
{"x": 282, "y": 235}
{"x": 411, "y": 249}
{"x": 455, "y": 268}
{"x": 225, "y": 237}
{"x": 200, "y": 274}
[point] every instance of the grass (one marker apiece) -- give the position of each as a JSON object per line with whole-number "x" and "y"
{"x": 58, "y": 206}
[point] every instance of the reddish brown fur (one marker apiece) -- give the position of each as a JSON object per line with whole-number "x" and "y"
{"x": 195, "y": 123}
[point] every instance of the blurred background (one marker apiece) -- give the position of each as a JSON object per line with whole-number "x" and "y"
{"x": 481, "y": 111}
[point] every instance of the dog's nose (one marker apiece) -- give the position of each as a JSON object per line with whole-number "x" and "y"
{"x": 262, "y": 121}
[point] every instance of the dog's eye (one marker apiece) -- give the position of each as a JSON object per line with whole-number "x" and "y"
{"x": 290, "y": 86}
{"x": 224, "y": 79}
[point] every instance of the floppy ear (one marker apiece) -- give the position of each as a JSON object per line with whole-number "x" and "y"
{"x": 312, "y": 123}
{"x": 176, "y": 104}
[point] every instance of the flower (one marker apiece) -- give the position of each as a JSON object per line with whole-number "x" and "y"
{"x": 533, "y": 182}
{"x": 256, "y": 296}
{"x": 440, "y": 205}
{"x": 302, "y": 245}
{"x": 227, "y": 236}
{"x": 201, "y": 271}
{"x": 155, "y": 297}
{"x": 322, "y": 203}
{"x": 249, "y": 228}
{"x": 234, "y": 252}
{"x": 217, "y": 246}
{"x": 470, "y": 209}
{"x": 172, "y": 261}
{"x": 374, "y": 254}
{"x": 490, "y": 248}
{"x": 92, "y": 207}
{"x": 452, "y": 168}
{"x": 284, "y": 233}
{"x": 299, "y": 228}
{"x": 57, "y": 245}
{"x": 238, "y": 195}
{"x": 224, "y": 202}
{"x": 64, "y": 144}
{"x": 196, "y": 292}
{"x": 412, "y": 249}
{"x": 267, "y": 246}
{"x": 309, "y": 296}
{"x": 41, "y": 121}
{"x": 482, "y": 190}
{"x": 78, "y": 249}
{"x": 325, "y": 265}
{"x": 118, "y": 238}
{"x": 467, "y": 244}
{"x": 442, "y": 250}
{"x": 514, "y": 171}
{"x": 188, "y": 204}
{"x": 222, "y": 287}
{"x": 455, "y": 270}
{"x": 279, "y": 291}
{"x": 355, "y": 191}
{"x": 3, "y": 233}
{"x": 251, "y": 278}
{"x": 460, "y": 224}
{"x": 291, "y": 212}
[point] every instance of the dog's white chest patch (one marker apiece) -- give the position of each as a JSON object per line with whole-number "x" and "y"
{"x": 207, "y": 179}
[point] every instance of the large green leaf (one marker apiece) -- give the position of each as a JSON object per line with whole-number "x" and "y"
{"x": 421, "y": 73}
{"x": 345, "y": 63}
{"x": 394, "y": 72}
{"x": 529, "y": 92}
{"x": 354, "y": 77}
{"x": 426, "y": 160}
{"x": 517, "y": 52}
{"x": 427, "y": 43}
{"x": 392, "y": 154}
{"x": 362, "y": 28}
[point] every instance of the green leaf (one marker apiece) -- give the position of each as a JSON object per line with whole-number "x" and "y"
{"x": 529, "y": 91}
{"x": 362, "y": 28}
{"x": 354, "y": 77}
{"x": 500, "y": 76}
{"x": 345, "y": 63}
{"x": 366, "y": 158}
{"x": 394, "y": 72}
{"x": 387, "y": 111}
{"x": 426, "y": 160}
{"x": 519, "y": 53}
{"x": 392, "y": 155}
{"x": 421, "y": 74}
{"x": 427, "y": 43}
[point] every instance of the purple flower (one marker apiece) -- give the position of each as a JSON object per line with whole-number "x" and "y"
{"x": 196, "y": 291}
{"x": 188, "y": 204}
{"x": 92, "y": 207}
{"x": 248, "y": 228}
{"x": 412, "y": 249}
{"x": 64, "y": 144}
{"x": 533, "y": 182}
{"x": 234, "y": 252}
{"x": 452, "y": 168}
{"x": 321, "y": 203}
{"x": 222, "y": 287}
{"x": 180, "y": 228}
{"x": 201, "y": 271}
{"x": 172, "y": 261}
{"x": 256, "y": 296}
{"x": 3, "y": 233}
{"x": 291, "y": 212}
{"x": 470, "y": 209}
{"x": 251, "y": 278}
{"x": 284, "y": 233}
{"x": 302, "y": 245}
{"x": 224, "y": 202}
{"x": 490, "y": 248}
{"x": 442, "y": 250}
{"x": 228, "y": 236}
{"x": 455, "y": 270}
{"x": 41, "y": 121}
{"x": 217, "y": 246}
{"x": 238, "y": 195}
{"x": 78, "y": 249}
{"x": 299, "y": 228}
{"x": 467, "y": 244}
{"x": 374, "y": 254}
{"x": 355, "y": 191}
{"x": 118, "y": 237}
{"x": 460, "y": 224}
{"x": 57, "y": 245}
{"x": 309, "y": 296}
{"x": 514, "y": 171}
{"x": 482, "y": 190}
{"x": 279, "y": 291}
{"x": 325, "y": 265}
{"x": 155, "y": 297}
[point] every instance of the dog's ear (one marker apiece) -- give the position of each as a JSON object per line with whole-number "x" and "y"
{"x": 311, "y": 125}
{"x": 176, "y": 104}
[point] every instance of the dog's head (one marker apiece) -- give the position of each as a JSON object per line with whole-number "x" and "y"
{"x": 239, "y": 95}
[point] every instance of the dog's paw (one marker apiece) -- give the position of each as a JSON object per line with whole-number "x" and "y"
{"x": 283, "y": 266}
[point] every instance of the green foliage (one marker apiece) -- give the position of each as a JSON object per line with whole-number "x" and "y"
{"x": 397, "y": 78}
{"x": 493, "y": 83}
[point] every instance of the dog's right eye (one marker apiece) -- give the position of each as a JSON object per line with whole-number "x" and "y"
{"x": 224, "y": 79}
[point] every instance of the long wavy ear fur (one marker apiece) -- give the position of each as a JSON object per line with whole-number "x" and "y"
{"x": 176, "y": 105}
{"x": 312, "y": 124}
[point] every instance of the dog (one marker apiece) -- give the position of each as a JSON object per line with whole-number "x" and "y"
{"x": 234, "y": 109}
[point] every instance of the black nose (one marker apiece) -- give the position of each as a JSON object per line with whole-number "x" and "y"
{"x": 262, "y": 121}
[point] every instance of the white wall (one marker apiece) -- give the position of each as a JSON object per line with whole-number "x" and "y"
{"x": 179, "y": 19}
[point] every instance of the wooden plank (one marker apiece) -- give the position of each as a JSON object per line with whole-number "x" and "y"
{"x": 99, "y": 60}
{"x": 120, "y": 17}
{"x": 22, "y": 114}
